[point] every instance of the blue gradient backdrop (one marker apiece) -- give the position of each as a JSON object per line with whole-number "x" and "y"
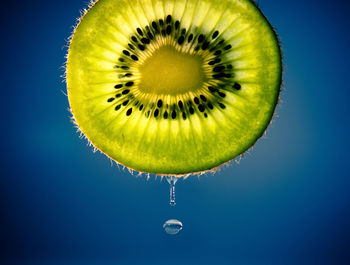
{"x": 287, "y": 202}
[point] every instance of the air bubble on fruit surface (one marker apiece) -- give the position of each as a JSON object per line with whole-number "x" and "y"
{"x": 172, "y": 226}
{"x": 172, "y": 181}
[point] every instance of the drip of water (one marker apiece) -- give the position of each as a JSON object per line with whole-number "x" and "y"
{"x": 172, "y": 181}
{"x": 172, "y": 226}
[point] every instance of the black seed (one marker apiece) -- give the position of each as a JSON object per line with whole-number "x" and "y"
{"x": 156, "y": 112}
{"x": 168, "y": 19}
{"x": 200, "y": 38}
{"x": 127, "y": 53}
{"x": 183, "y": 31}
{"x": 181, "y": 105}
{"x": 177, "y": 24}
{"x": 190, "y": 38}
{"x": 212, "y": 89}
{"x": 210, "y": 106}
{"x": 136, "y": 103}
{"x": 139, "y": 31}
{"x": 218, "y": 52}
{"x": 228, "y": 75}
{"x": 126, "y": 91}
{"x": 222, "y": 106}
{"x": 173, "y": 114}
{"x": 154, "y": 25}
{"x": 118, "y": 95}
{"x": 220, "y": 42}
{"x": 197, "y": 48}
{"x": 128, "y": 74}
{"x": 145, "y": 41}
{"x": 237, "y": 86}
{"x": 212, "y": 62}
{"x": 201, "y": 108}
{"x": 168, "y": 29}
{"x": 217, "y": 60}
{"x": 215, "y": 34}
{"x": 165, "y": 115}
{"x": 205, "y": 45}
{"x": 141, "y": 47}
{"x": 125, "y": 102}
{"x": 134, "y": 38}
{"x": 163, "y": 33}
{"x": 181, "y": 40}
{"x": 117, "y": 107}
{"x": 141, "y": 107}
{"x": 229, "y": 66}
{"x": 191, "y": 110}
{"x": 184, "y": 115}
{"x": 121, "y": 60}
{"x": 131, "y": 46}
{"x": 128, "y": 113}
{"x": 161, "y": 22}
{"x": 118, "y": 86}
{"x": 150, "y": 35}
{"x": 134, "y": 57}
{"x": 196, "y": 100}
{"x": 220, "y": 75}
{"x": 228, "y": 47}
{"x": 125, "y": 67}
{"x": 222, "y": 94}
{"x": 160, "y": 103}
{"x": 218, "y": 69}
{"x": 147, "y": 113}
{"x": 203, "y": 98}
{"x": 110, "y": 99}
{"x": 205, "y": 115}
{"x": 129, "y": 83}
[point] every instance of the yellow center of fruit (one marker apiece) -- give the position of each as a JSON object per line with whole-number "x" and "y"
{"x": 168, "y": 71}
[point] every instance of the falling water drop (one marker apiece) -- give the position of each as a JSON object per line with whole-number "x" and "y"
{"x": 172, "y": 226}
{"x": 172, "y": 181}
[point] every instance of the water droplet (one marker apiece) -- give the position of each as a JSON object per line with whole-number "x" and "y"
{"x": 172, "y": 181}
{"x": 172, "y": 226}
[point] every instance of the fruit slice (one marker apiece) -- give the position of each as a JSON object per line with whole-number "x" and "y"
{"x": 173, "y": 87}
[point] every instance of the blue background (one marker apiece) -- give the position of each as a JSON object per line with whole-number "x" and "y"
{"x": 287, "y": 202}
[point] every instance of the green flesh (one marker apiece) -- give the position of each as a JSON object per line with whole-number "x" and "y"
{"x": 224, "y": 124}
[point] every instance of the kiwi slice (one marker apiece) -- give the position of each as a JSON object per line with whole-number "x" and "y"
{"x": 173, "y": 87}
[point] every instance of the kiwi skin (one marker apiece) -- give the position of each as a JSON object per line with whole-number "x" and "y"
{"x": 211, "y": 170}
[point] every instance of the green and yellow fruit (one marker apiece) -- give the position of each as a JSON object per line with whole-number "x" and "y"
{"x": 173, "y": 87}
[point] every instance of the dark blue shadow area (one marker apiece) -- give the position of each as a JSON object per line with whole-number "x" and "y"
{"x": 287, "y": 202}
